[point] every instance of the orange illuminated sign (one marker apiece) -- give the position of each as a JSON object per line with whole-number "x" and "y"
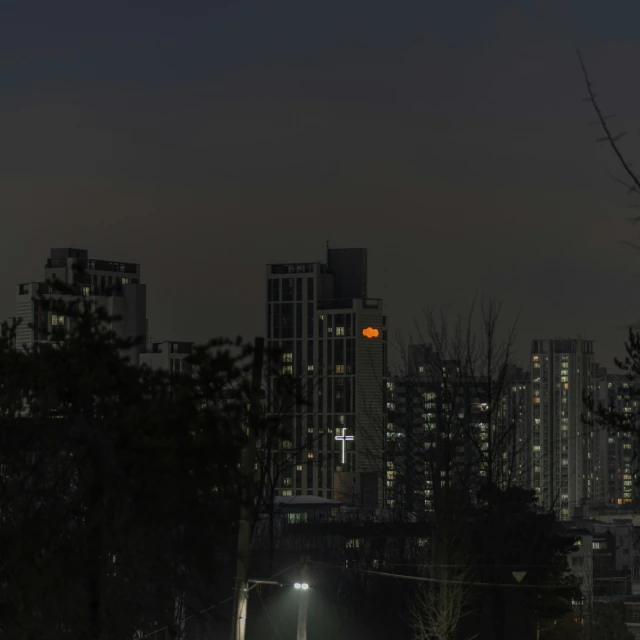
{"x": 370, "y": 332}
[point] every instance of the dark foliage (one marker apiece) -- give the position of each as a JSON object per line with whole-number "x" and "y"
{"x": 509, "y": 534}
{"x": 118, "y": 484}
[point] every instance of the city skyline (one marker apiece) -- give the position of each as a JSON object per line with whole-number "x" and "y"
{"x": 333, "y": 335}
{"x": 197, "y": 143}
{"x": 397, "y": 339}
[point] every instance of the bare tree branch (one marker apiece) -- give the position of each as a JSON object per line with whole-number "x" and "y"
{"x": 610, "y": 137}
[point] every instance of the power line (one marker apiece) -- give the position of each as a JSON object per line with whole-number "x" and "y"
{"x": 213, "y": 606}
{"x": 476, "y": 566}
{"x": 193, "y": 615}
{"x": 463, "y": 582}
{"x": 264, "y": 606}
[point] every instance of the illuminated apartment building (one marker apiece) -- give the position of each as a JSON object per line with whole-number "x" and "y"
{"x": 438, "y": 420}
{"x": 334, "y": 337}
{"x": 614, "y": 463}
{"x": 561, "y": 446}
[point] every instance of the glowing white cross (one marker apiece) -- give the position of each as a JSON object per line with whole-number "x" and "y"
{"x": 344, "y": 439}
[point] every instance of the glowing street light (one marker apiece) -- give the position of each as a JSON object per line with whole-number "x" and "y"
{"x": 301, "y": 585}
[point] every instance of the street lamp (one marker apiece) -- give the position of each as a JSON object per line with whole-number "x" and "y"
{"x": 298, "y": 585}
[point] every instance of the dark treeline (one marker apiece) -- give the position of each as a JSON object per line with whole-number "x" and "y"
{"x": 118, "y": 484}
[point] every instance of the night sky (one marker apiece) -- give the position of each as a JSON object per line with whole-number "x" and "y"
{"x": 205, "y": 139}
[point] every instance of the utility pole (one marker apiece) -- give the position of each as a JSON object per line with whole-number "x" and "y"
{"x": 240, "y": 594}
{"x": 303, "y": 605}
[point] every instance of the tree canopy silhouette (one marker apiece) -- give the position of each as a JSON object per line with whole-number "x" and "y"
{"x": 118, "y": 484}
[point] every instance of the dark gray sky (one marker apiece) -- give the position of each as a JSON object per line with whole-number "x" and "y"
{"x": 206, "y": 138}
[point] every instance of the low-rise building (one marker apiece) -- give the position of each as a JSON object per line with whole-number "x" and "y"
{"x": 168, "y": 355}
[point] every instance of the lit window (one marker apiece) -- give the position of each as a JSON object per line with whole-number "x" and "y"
{"x": 287, "y": 370}
{"x": 86, "y": 291}
{"x": 287, "y": 492}
{"x": 310, "y": 455}
{"x": 125, "y": 280}
{"x": 421, "y": 369}
{"x": 339, "y": 368}
{"x": 287, "y": 357}
{"x": 299, "y": 467}
{"x": 57, "y": 320}
{"x": 296, "y": 518}
{"x": 309, "y": 367}
{"x": 339, "y": 331}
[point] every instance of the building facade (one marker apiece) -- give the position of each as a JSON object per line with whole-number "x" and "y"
{"x": 615, "y": 465}
{"x": 450, "y": 427}
{"x": 561, "y": 445}
{"x": 169, "y": 356}
{"x": 114, "y": 286}
{"x": 332, "y": 336}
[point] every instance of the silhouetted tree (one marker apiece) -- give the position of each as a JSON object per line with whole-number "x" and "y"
{"x": 456, "y": 433}
{"x": 509, "y": 533}
{"x": 117, "y": 483}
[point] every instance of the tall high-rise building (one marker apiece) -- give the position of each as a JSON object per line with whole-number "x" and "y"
{"x": 113, "y": 285}
{"x": 615, "y": 465}
{"x": 446, "y": 421}
{"x": 427, "y": 415}
{"x": 516, "y": 404}
{"x": 333, "y": 336}
{"x": 560, "y": 447}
